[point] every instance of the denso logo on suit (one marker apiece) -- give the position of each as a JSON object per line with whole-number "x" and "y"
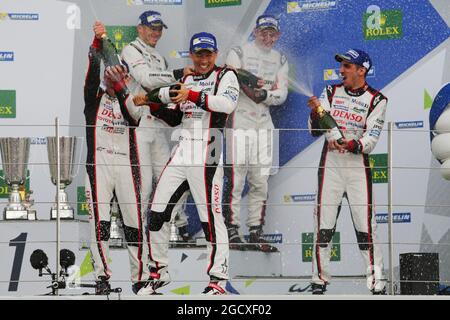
{"x": 347, "y": 115}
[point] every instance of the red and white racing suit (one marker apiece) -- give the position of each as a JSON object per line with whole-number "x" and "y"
{"x": 250, "y": 152}
{"x": 360, "y": 115}
{"x": 112, "y": 167}
{"x": 196, "y": 165}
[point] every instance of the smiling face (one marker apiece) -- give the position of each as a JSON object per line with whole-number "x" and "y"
{"x": 353, "y": 75}
{"x": 149, "y": 34}
{"x": 203, "y": 60}
{"x": 266, "y": 37}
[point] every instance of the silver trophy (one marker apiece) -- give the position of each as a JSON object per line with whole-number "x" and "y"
{"x": 174, "y": 234}
{"x": 115, "y": 237}
{"x": 15, "y": 155}
{"x": 67, "y": 150}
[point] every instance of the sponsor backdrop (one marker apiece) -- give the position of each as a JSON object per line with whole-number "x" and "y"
{"x": 409, "y": 45}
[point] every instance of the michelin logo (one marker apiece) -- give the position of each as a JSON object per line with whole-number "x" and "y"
{"x": 19, "y": 16}
{"x": 6, "y": 56}
{"x": 269, "y": 238}
{"x": 409, "y": 124}
{"x": 153, "y": 2}
{"x": 402, "y": 217}
{"x": 310, "y": 5}
{"x": 299, "y": 197}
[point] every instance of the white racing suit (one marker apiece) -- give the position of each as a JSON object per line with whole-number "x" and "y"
{"x": 196, "y": 165}
{"x": 360, "y": 115}
{"x": 112, "y": 168}
{"x": 149, "y": 69}
{"x": 249, "y": 154}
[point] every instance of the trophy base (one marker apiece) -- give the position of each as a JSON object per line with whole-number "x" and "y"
{"x": 66, "y": 214}
{"x": 19, "y": 215}
{"x": 32, "y": 214}
{"x": 116, "y": 243}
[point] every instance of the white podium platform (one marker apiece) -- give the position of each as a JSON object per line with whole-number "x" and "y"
{"x": 187, "y": 265}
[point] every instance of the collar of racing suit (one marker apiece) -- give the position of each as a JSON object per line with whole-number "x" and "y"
{"x": 144, "y": 45}
{"x": 110, "y": 97}
{"x": 199, "y": 76}
{"x": 357, "y": 92}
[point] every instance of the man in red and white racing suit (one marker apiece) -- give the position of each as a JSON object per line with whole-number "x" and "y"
{"x": 250, "y": 146}
{"x": 203, "y": 104}
{"x": 112, "y": 167}
{"x": 344, "y": 169}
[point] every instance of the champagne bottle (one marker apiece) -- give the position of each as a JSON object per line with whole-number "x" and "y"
{"x": 109, "y": 51}
{"x": 162, "y": 94}
{"x": 247, "y": 78}
{"x": 327, "y": 122}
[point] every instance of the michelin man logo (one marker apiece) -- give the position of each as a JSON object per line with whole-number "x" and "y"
{"x": 440, "y": 129}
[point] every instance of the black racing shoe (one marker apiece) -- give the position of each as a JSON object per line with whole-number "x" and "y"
{"x": 235, "y": 240}
{"x": 215, "y": 287}
{"x": 137, "y": 286}
{"x": 156, "y": 281}
{"x": 258, "y": 242}
{"x": 318, "y": 288}
{"x": 102, "y": 286}
{"x": 379, "y": 292}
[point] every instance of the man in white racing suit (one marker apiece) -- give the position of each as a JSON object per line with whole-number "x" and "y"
{"x": 148, "y": 70}
{"x": 249, "y": 142}
{"x": 203, "y": 104}
{"x": 344, "y": 170}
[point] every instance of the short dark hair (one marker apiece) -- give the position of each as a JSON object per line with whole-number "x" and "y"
{"x": 360, "y": 67}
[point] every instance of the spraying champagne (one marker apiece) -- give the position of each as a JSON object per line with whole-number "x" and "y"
{"x": 327, "y": 122}
{"x": 162, "y": 94}
{"x": 109, "y": 51}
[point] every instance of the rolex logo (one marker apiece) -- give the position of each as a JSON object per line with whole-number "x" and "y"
{"x": 383, "y": 19}
{"x": 118, "y": 35}
{"x": 382, "y": 24}
{"x": 121, "y": 35}
{"x": 372, "y": 162}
